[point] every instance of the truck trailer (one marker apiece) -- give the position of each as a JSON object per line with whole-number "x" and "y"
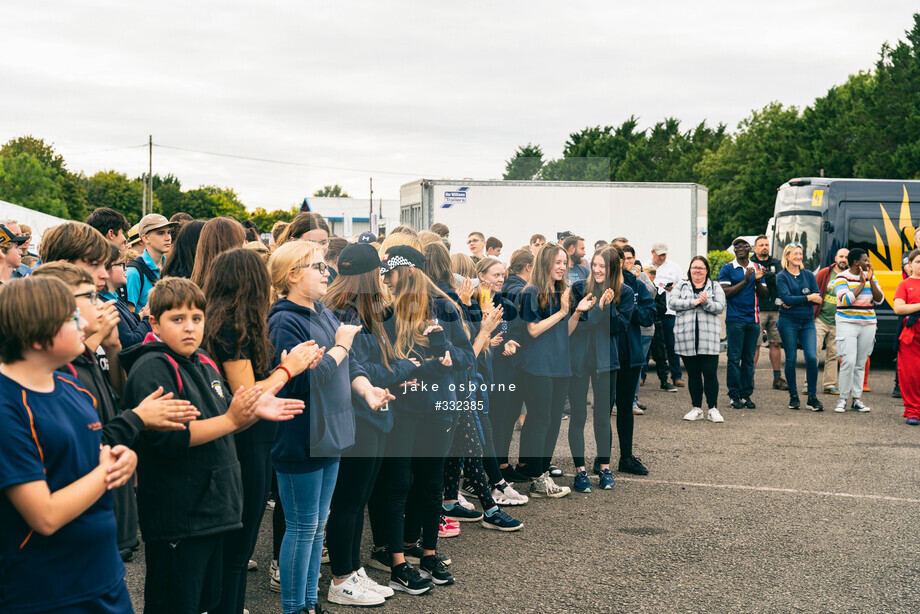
{"x": 513, "y": 211}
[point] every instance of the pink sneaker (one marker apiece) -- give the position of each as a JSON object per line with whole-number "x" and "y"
{"x": 447, "y": 530}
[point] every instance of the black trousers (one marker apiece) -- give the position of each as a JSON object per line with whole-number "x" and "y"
{"x": 183, "y": 577}
{"x": 545, "y": 398}
{"x": 604, "y": 394}
{"x": 702, "y": 375}
{"x": 505, "y": 408}
{"x": 358, "y": 471}
{"x": 659, "y": 351}
{"x": 414, "y": 464}
{"x": 256, "y": 471}
{"x": 625, "y": 386}
{"x": 489, "y": 460}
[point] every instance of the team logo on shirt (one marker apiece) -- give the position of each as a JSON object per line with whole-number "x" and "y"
{"x": 218, "y": 388}
{"x": 94, "y": 426}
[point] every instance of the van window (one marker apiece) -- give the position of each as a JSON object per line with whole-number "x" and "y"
{"x": 804, "y": 229}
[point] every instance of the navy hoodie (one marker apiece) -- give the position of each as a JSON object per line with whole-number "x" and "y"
{"x": 595, "y": 342}
{"x": 369, "y": 355}
{"x": 434, "y": 379}
{"x": 326, "y": 428}
{"x": 643, "y": 315}
{"x": 513, "y": 328}
{"x": 183, "y": 491}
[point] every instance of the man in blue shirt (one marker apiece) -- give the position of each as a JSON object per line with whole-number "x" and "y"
{"x": 144, "y": 272}
{"x": 743, "y": 283}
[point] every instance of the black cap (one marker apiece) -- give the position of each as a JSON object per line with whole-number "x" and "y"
{"x": 401, "y": 255}
{"x": 367, "y": 237}
{"x": 7, "y": 236}
{"x": 357, "y": 259}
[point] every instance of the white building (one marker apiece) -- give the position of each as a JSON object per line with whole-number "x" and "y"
{"x": 348, "y": 217}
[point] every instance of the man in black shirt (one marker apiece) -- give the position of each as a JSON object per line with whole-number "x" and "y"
{"x": 769, "y": 309}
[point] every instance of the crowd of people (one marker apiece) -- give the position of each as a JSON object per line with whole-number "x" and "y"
{"x": 173, "y": 378}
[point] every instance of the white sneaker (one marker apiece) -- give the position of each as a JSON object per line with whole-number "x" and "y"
{"x": 638, "y": 411}
{"x": 544, "y": 486}
{"x": 715, "y": 416}
{"x": 859, "y": 406}
{"x": 841, "y": 406}
{"x": 353, "y": 592}
{"x": 508, "y": 496}
{"x": 252, "y": 565}
{"x": 464, "y": 503}
{"x": 383, "y": 591}
{"x": 694, "y": 414}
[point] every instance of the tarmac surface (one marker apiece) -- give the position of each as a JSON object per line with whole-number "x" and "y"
{"x": 773, "y": 511}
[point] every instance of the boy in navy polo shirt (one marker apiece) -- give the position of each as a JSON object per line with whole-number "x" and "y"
{"x": 743, "y": 283}
{"x": 56, "y": 519}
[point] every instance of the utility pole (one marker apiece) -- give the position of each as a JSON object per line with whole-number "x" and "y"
{"x": 144, "y": 195}
{"x": 370, "y": 212}
{"x": 150, "y": 169}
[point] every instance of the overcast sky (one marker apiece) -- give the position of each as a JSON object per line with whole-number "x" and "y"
{"x": 401, "y": 90}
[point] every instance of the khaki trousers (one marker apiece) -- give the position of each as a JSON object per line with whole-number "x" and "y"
{"x": 827, "y": 334}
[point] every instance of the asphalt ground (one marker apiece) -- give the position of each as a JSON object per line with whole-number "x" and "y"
{"x": 773, "y": 511}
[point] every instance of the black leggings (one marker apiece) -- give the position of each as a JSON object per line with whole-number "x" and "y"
{"x": 545, "y": 398}
{"x": 256, "y": 471}
{"x": 475, "y": 477}
{"x": 702, "y": 374}
{"x": 358, "y": 471}
{"x": 504, "y": 409}
{"x": 604, "y": 393}
{"x": 414, "y": 464}
{"x": 489, "y": 460}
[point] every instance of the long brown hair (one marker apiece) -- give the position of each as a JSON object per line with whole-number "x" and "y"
{"x": 238, "y": 293}
{"x": 217, "y": 236}
{"x": 542, "y": 276}
{"x": 461, "y": 264}
{"x": 303, "y": 223}
{"x": 437, "y": 264}
{"x": 614, "y": 279}
{"x": 412, "y": 300}
{"x": 519, "y": 261}
{"x": 365, "y": 295}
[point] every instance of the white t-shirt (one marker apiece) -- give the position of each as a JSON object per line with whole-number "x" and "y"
{"x": 668, "y": 272}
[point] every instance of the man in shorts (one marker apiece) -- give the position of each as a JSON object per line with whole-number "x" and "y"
{"x": 769, "y": 309}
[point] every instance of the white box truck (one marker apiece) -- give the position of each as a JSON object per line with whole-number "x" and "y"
{"x": 644, "y": 213}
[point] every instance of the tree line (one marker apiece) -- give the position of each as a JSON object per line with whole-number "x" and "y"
{"x": 33, "y": 175}
{"x": 868, "y": 127}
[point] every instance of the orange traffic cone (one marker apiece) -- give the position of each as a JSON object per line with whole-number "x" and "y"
{"x": 866, "y": 378}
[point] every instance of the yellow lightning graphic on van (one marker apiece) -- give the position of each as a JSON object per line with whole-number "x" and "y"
{"x": 890, "y": 277}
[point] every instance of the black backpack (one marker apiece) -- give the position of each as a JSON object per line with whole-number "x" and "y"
{"x": 139, "y": 264}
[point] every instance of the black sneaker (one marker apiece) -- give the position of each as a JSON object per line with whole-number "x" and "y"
{"x": 380, "y": 559}
{"x": 414, "y": 555}
{"x": 434, "y": 570}
{"x": 814, "y": 404}
{"x": 794, "y": 403}
{"x": 511, "y": 475}
{"x": 736, "y": 403}
{"x": 555, "y": 472}
{"x": 407, "y": 579}
{"x": 631, "y": 464}
{"x": 467, "y": 490}
{"x": 748, "y": 403}
{"x": 896, "y": 393}
{"x": 668, "y": 387}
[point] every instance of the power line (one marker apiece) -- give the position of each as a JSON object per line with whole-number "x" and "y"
{"x": 289, "y": 163}
{"x": 85, "y": 153}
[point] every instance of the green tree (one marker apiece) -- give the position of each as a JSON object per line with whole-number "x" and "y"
{"x": 525, "y": 164}
{"x": 210, "y": 201}
{"x": 168, "y": 192}
{"x": 25, "y": 181}
{"x": 114, "y": 190}
{"x": 266, "y": 219}
{"x": 72, "y": 192}
{"x": 743, "y": 174}
{"x": 334, "y": 191}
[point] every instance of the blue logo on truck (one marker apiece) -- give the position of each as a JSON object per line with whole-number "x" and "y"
{"x": 457, "y": 197}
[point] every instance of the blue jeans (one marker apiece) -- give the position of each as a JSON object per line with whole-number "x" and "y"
{"x": 742, "y": 345}
{"x": 794, "y": 333}
{"x": 306, "y": 498}
{"x": 646, "y": 344}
